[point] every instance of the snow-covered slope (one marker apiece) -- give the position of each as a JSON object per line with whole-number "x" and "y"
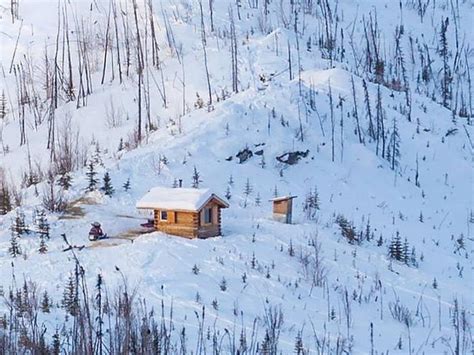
{"x": 332, "y": 293}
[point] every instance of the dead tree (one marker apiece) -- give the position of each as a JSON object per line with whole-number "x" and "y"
{"x": 234, "y": 53}
{"x": 355, "y": 112}
{"x": 106, "y": 45}
{"x": 203, "y": 41}
{"x": 368, "y": 110}
{"x": 331, "y": 106}
{"x": 139, "y": 72}
{"x": 117, "y": 40}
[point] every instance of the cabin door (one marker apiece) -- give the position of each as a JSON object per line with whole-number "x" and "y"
{"x": 289, "y": 212}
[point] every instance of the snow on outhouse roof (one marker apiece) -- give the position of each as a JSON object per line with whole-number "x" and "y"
{"x": 177, "y": 199}
{"x": 283, "y": 198}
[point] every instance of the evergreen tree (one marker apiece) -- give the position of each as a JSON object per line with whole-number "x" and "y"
{"x": 223, "y": 285}
{"x": 406, "y": 252}
{"x": 107, "y": 185}
{"x": 70, "y": 301}
{"x": 266, "y": 348}
{"x": 347, "y": 228}
{"x": 380, "y": 241}
{"x": 413, "y": 260}
{"x": 291, "y": 250}
{"x": 45, "y": 303}
{"x": 91, "y": 176}
{"x": 18, "y": 223}
{"x": 196, "y": 178}
{"x": 41, "y": 222}
{"x": 299, "y": 347}
{"x": 3, "y": 106}
{"x": 248, "y": 188}
{"x": 43, "y": 247}
{"x": 14, "y": 248}
{"x": 394, "y": 146}
{"x": 56, "y": 347}
{"x": 367, "y": 230}
{"x": 228, "y": 195}
{"x": 395, "y": 250}
{"x": 311, "y": 204}
{"x": 247, "y": 191}
{"x": 258, "y": 199}
{"x": 5, "y": 199}
{"x": 65, "y": 181}
{"x": 443, "y": 50}
{"x": 126, "y": 186}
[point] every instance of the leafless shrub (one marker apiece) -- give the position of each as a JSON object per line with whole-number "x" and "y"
{"x": 53, "y": 198}
{"x": 312, "y": 262}
{"x": 401, "y": 313}
{"x": 273, "y": 319}
{"x": 114, "y": 115}
{"x": 68, "y": 151}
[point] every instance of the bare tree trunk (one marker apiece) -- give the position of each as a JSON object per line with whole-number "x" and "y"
{"x": 331, "y": 106}
{"x": 356, "y": 114}
{"x": 106, "y": 47}
{"x": 139, "y": 73}
{"x": 203, "y": 39}
{"x": 234, "y": 53}
{"x": 117, "y": 40}
{"x": 16, "y": 46}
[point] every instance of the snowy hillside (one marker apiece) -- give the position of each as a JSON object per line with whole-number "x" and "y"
{"x": 362, "y": 109}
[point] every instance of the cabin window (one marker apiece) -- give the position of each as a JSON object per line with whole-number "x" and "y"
{"x": 163, "y": 215}
{"x": 208, "y": 215}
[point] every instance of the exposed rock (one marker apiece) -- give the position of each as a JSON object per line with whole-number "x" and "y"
{"x": 291, "y": 158}
{"x": 244, "y": 155}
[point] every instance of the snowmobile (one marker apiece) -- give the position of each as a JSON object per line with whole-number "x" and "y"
{"x": 96, "y": 232}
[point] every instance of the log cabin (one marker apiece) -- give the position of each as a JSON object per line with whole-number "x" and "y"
{"x": 185, "y": 212}
{"x": 283, "y": 208}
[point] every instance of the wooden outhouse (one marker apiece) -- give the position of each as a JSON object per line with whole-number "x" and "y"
{"x": 283, "y": 208}
{"x": 190, "y": 213}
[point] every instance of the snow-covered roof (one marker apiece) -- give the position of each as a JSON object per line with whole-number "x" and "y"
{"x": 283, "y": 198}
{"x": 185, "y": 199}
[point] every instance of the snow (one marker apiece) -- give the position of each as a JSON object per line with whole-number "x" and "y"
{"x": 178, "y": 199}
{"x": 359, "y": 184}
{"x": 281, "y": 198}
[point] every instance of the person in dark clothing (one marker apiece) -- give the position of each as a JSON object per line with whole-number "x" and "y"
{"x": 96, "y": 232}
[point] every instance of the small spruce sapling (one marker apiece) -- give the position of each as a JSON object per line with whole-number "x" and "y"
{"x": 45, "y": 303}
{"x": 65, "y": 181}
{"x": 127, "y": 186}
{"x": 223, "y": 285}
{"x": 196, "y": 178}
{"x": 91, "y": 176}
{"x": 247, "y": 191}
{"x": 43, "y": 247}
{"x": 228, "y": 194}
{"x": 14, "y": 248}
{"x": 107, "y": 185}
{"x": 258, "y": 200}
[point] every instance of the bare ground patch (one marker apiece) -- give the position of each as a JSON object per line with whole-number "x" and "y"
{"x": 75, "y": 209}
